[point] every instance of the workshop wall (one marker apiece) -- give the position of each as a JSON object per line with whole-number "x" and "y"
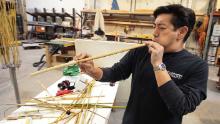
{"x": 143, "y": 5}
{"x": 218, "y": 5}
{"x": 107, "y": 4}
{"x": 152, "y": 4}
{"x": 147, "y": 4}
{"x": 57, "y": 4}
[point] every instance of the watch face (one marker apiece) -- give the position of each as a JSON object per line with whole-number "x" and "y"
{"x": 163, "y": 66}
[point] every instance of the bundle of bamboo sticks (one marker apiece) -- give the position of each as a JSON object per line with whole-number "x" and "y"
{"x": 9, "y": 55}
{"x": 80, "y": 110}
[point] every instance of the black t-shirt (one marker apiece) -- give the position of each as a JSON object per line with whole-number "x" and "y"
{"x": 150, "y": 104}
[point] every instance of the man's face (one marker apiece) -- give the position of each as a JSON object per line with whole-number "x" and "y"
{"x": 164, "y": 32}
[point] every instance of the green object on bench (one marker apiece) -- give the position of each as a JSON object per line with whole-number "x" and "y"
{"x": 71, "y": 70}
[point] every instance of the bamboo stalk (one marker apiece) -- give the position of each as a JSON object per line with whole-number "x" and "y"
{"x": 52, "y": 98}
{"x": 93, "y": 112}
{"x": 98, "y": 114}
{"x": 82, "y": 104}
{"x": 77, "y": 106}
{"x": 8, "y": 45}
{"x": 87, "y": 59}
{"x": 53, "y": 104}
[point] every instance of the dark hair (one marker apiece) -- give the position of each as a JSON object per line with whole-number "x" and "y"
{"x": 182, "y": 16}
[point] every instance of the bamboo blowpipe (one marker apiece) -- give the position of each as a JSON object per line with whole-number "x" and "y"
{"x": 87, "y": 59}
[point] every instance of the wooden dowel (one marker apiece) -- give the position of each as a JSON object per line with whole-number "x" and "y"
{"x": 87, "y": 59}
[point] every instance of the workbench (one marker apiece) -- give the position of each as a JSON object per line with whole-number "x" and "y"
{"x": 63, "y": 44}
{"x": 106, "y": 92}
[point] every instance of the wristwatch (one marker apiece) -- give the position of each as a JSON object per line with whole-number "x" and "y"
{"x": 161, "y": 67}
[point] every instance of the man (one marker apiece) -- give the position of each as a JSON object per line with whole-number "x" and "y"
{"x": 167, "y": 81}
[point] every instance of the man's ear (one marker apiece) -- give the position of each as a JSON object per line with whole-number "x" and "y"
{"x": 182, "y": 31}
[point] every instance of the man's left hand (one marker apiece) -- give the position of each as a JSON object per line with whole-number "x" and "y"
{"x": 156, "y": 50}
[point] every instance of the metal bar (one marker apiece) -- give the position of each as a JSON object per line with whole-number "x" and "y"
{"x": 81, "y": 20}
{"x": 94, "y": 4}
{"x": 187, "y": 3}
{"x": 20, "y": 9}
{"x": 12, "y": 71}
{"x": 205, "y": 50}
{"x": 135, "y": 4}
{"x": 74, "y": 18}
{"x": 25, "y": 27}
{"x": 131, "y": 5}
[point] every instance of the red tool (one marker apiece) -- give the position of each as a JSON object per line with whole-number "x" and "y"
{"x": 62, "y": 92}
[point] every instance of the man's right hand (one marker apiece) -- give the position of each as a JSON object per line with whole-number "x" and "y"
{"x": 88, "y": 66}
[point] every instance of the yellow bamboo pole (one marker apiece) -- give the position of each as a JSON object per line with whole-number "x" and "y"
{"x": 8, "y": 52}
{"x": 87, "y": 59}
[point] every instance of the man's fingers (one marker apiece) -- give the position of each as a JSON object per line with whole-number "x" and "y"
{"x": 81, "y": 56}
{"x": 149, "y": 42}
{"x": 152, "y": 44}
{"x": 87, "y": 55}
{"x": 82, "y": 69}
{"x": 78, "y": 55}
{"x": 86, "y": 65}
{"x": 151, "y": 50}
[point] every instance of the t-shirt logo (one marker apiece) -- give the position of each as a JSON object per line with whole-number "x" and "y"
{"x": 175, "y": 75}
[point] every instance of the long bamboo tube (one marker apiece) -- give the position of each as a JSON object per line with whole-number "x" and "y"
{"x": 87, "y": 59}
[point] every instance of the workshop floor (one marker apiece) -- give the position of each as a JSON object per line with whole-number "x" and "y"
{"x": 207, "y": 113}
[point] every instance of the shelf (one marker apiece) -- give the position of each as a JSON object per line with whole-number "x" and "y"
{"x": 140, "y": 19}
{"x": 52, "y": 28}
{"x": 147, "y": 24}
{"x": 119, "y": 12}
{"x": 130, "y": 36}
{"x": 129, "y": 23}
{"x": 50, "y": 14}
{"x": 216, "y": 13}
{"x": 141, "y": 23}
{"x": 47, "y": 24}
{"x": 124, "y": 12}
